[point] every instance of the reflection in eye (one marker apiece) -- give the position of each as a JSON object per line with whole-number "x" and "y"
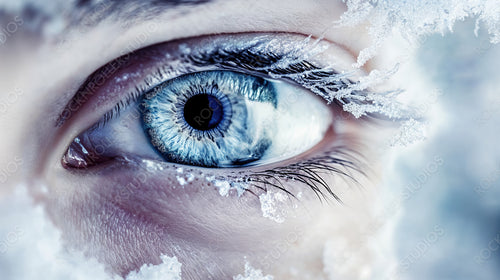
{"x": 217, "y": 102}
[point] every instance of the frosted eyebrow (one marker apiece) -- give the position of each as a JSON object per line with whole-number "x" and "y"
{"x": 90, "y": 12}
{"x": 130, "y": 9}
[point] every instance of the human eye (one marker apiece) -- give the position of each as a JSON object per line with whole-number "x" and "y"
{"x": 209, "y": 119}
{"x": 180, "y": 140}
{"x": 224, "y": 105}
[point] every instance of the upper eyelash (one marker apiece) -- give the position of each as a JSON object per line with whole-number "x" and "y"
{"x": 250, "y": 61}
{"x": 318, "y": 80}
{"x": 321, "y": 81}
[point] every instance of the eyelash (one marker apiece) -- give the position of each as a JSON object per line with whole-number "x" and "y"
{"x": 308, "y": 172}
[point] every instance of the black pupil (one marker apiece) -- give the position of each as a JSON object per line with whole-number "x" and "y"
{"x": 203, "y": 112}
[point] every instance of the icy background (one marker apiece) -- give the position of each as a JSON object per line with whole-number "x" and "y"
{"x": 448, "y": 189}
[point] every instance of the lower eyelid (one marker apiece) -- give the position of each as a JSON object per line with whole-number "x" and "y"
{"x": 256, "y": 179}
{"x": 133, "y": 196}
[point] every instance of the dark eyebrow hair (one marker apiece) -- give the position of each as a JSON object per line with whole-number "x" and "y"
{"x": 89, "y": 13}
{"x": 129, "y": 10}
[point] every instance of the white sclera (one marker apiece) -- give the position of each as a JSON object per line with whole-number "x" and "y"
{"x": 299, "y": 122}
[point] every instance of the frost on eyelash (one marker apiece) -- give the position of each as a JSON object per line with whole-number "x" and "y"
{"x": 183, "y": 180}
{"x": 252, "y": 274}
{"x": 225, "y": 186}
{"x": 285, "y": 57}
{"x": 272, "y": 203}
{"x": 289, "y": 58}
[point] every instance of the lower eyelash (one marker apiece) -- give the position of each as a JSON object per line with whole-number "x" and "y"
{"x": 340, "y": 160}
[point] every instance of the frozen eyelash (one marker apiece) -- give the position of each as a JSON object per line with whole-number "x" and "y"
{"x": 297, "y": 69}
{"x": 339, "y": 160}
{"x": 302, "y": 72}
{"x": 291, "y": 61}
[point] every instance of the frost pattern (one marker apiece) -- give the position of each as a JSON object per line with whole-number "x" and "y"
{"x": 252, "y": 274}
{"x": 31, "y": 247}
{"x": 410, "y": 132}
{"x": 271, "y": 205}
{"x": 414, "y": 19}
{"x": 184, "y": 179}
{"x": 224, "y": 185}
{"x": 170, "y": 269}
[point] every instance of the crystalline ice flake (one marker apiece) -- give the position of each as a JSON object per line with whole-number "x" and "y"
{"x": 410, "y": 131}
{"x": 252, "y": 274}
{"x": 414, "y": 19}
{"x": 271, "y": 204}
{"x": 225, "y": 185}
{"x": 169, "y": 269}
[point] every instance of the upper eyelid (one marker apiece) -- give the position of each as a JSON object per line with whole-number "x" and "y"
{"x": 313, "y": 74}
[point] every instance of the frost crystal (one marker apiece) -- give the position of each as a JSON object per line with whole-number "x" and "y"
{"x": 270, "y": 205}
{"x": 412, "y": 20}
{"x": 170, "y": 269}
{"x": 410, "y": 132}
{"x": 225, "y": 186}
{"x": 415, "y": 19}
{"x": 252, "y": 274}
{"x": 183, "y": 180}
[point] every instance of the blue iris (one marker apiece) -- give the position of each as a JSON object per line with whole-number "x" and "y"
{"x": 207, "y": 118}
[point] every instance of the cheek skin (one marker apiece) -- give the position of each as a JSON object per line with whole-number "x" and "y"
{"x": 134, "y": 216}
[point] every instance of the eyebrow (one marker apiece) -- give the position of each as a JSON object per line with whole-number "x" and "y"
{"x": 130, "y": 10}
{"x": 89, "y": 13}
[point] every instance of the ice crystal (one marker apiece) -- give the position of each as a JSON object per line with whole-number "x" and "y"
{"x": 252, "y": 274}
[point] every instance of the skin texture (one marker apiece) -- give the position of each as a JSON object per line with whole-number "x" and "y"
{"x": 126, "y": 227}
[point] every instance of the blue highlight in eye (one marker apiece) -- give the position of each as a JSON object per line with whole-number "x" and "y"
{"x": 208, "y": 118}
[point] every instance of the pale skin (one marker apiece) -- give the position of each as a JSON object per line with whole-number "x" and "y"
{"x": 211, "y": 235}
